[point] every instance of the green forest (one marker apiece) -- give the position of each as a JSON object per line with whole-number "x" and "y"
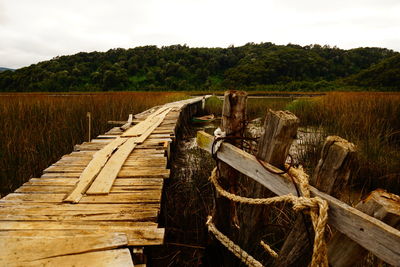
{"x": 264, "y": 66}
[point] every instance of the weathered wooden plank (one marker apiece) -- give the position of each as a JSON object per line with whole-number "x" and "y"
{"x": 90, "y": 207}
{"x": 52, "y": 181}
{"x": 142, "y": 181}
{"x": 131, "y": 197}
{"x": 86, "y": 146}
{"x": 353, "y": 223}
{"x": 39, "y": 214}
{"x": 44, "y": 189}
{"x": 144, "y": 236}
{"x": 108, "y": 136}
{"x": 114, "y": 257}
{"x": 63, "y": 175}
{"x": 124, "y": 172}
{"x": 79, "y": 154}
{"x": 35, "y": 248}
{"x": 79, "y": 165}
{"x": 142, "y": 127}
{"x": 64, "y": 169}
{"x": 342, "y": 251}
{"x": 92, "y": 169}
{"x": 148, "y": 196}
{"x": 104, "y": 181}
{"x": 50, "y": 189}
{"x": 144, "y": 172}
{"x": 74, "y": 225}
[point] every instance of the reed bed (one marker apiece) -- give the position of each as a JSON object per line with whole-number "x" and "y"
{"x": 37, "y": 129}
{"x": 371, "y": 121}
{"x": 256, "y": 107}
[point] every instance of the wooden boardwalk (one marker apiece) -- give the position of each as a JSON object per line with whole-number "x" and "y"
{"x": 95, "y": 204}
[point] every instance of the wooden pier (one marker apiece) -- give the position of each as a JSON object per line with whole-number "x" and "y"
{"x": 97, "y": 206}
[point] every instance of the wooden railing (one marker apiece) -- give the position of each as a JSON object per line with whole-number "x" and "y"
{"x": 362, "y": 228}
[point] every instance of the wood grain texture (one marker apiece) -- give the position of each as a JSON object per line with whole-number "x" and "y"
{"x": 93, "y": 168}
{"x": 115, "y": 257}
{"x": 343, "y": 251}
{"x": 385, "y": 241}
{"x": 39, "y": 247}
{"x": 331, "y": 175}
{"x": 51, "y": 221}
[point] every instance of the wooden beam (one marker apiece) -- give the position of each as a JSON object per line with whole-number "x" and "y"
{"x": 374, "y": 235}
{"x": 343, "y": 251}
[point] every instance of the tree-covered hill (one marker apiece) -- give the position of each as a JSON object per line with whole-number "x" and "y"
{"x": 385, "y": 74}
{"x": 252, "y": 66}
{"x": 4, "y": 69}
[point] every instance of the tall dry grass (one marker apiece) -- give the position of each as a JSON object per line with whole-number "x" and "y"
{"x": 37, "y": 129}
{"x": 256, "y": 107}
{"x": 371, "y": 121}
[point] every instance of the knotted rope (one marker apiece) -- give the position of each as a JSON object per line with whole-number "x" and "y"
{"x": 318, "y": 209}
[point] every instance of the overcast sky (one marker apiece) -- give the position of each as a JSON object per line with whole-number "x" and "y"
{"x": 37, "y": 30}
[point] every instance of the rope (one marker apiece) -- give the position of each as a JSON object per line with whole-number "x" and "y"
{"x": 229, "y": 244}
{"x": 269, "y": 249}
{"x": 317, "y": 207}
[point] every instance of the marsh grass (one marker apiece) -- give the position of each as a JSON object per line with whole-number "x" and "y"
{"x": 369, "y": 120}
{"x": 37, "y": 129}
{"x": 256, "y": 107}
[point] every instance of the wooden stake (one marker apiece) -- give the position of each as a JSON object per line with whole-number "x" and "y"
{"x": 342, "y": 251}
{"x": 280, "y": 132}
{"x": 89, "y": 116}
{"x": 330, "y": 176}
{"x": 233, "y": 124}
{"x": 280, "y": 128}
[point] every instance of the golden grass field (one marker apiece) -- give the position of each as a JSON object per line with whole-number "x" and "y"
{"x": 37, "y": 129}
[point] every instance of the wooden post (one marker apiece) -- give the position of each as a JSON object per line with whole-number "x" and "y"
{"x": 280, "y": 132}
{"x": 280, "y": 129}
{"x": 342, "y": 251}
{"x": 89, "y": 116}
{"x": 330, "y": 176}
{"x": 233, "y": 124}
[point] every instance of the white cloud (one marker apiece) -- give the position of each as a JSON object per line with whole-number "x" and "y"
{"x": 31, "y": 31}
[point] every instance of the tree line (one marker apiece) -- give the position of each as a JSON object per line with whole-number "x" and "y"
{"x": 263, "y": 66}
